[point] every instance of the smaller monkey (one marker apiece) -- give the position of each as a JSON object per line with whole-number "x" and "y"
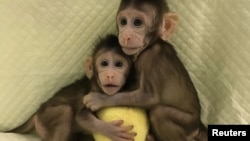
{"x": 111, "y": 67}
{"x": 65, "y": 118}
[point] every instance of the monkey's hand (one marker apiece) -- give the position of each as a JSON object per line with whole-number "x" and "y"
{"x": 116, "y": 132}
{"x": 95, "y": 101}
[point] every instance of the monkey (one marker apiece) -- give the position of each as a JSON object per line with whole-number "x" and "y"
{"x": 64, "y": 117}
{"x": 111, "y": 69}
{"x": 163, "y": 84}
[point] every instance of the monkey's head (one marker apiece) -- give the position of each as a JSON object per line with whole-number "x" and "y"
{"x": 108, "y": 67}
{"x": 141, "y": 22}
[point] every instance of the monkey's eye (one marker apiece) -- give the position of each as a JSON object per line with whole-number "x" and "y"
{"x": 118, "y": 64}
{"x": 104, "y": 63}
{"x": 138, "y": 22}
{"x": 123, "y": 21}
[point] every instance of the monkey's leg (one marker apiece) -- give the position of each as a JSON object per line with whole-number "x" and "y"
{"x": 54, "y": 123}
{"x": 164, "y": 128}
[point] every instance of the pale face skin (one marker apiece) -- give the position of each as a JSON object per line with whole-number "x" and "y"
{"x": 133, "y": 26}
{"x": 136, "y": 25}
{"x": 113, "y": 70}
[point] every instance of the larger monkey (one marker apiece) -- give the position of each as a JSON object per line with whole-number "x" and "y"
{"x": 63, "y": 116}
{"x": 164, "y": 86}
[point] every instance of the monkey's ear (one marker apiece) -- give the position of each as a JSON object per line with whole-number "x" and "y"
{"x": 169, "y": 25}
{"x": 89, "y": 67}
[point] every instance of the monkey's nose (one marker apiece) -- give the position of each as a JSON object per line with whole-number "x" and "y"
{"x": 110, "y": 78}
{"x": 126, "y": 40}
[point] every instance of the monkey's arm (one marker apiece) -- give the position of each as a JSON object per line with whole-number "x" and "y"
{"x": 95, "y": 101}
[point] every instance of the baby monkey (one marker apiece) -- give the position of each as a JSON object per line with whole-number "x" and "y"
{"x": 65, "y": 118}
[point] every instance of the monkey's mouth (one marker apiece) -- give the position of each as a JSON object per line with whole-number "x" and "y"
{"x": 111, "y": 85}
{"x": 130, "y": 48}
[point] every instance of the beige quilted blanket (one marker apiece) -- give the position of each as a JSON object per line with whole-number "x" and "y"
{"x": 43, "y": 45}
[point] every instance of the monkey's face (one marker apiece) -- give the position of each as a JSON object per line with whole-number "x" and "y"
{"x": 112, "y": 72}
{"x": 133, "y": 26}
{"x": 139, "y": 26}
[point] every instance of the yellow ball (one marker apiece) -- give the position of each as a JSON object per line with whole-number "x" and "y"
{"x": 130, "y": 115}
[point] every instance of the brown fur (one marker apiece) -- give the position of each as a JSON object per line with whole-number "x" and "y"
{"x": 164, "y": 85}
{"x": 65, "y": 118}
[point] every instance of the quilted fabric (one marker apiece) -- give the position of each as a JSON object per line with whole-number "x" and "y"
{"x": 213, "y": 41}
{"x": 44, "y": 43}
{"x": 43, "y": 46}
{"x": 18, "y": 137}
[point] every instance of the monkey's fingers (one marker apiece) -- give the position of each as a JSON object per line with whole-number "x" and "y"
{"x": 92, "y": 107}
{"x": 94, "y": 101}
{"x": 125, "y": 131}
{"x": 129, "y": 135}
{"x": 116, "y": 132}
{"x": 86, "y": 99}
{"x": 89, "y": 102}
{"x": 119, "y": 123}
